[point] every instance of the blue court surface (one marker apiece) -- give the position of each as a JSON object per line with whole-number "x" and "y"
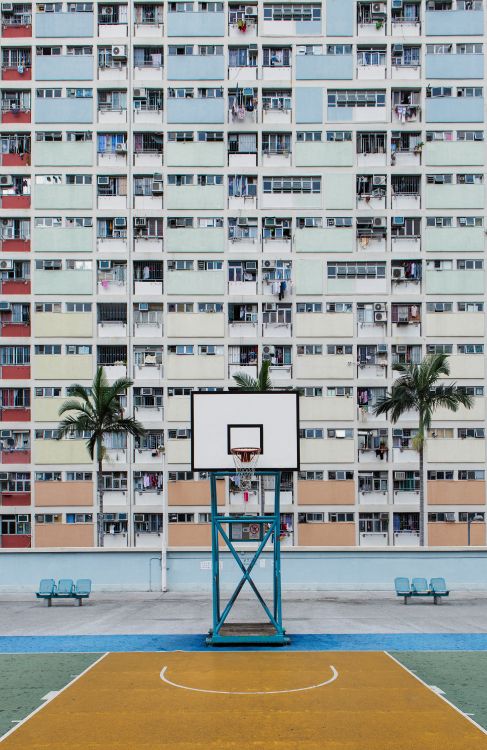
{"x": 308, "y": 642}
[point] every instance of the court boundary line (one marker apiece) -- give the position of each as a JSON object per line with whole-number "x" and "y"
{"x": 335, "y": 674}
{"x": 438, "y": 695}
{"x": 53, "y": 698}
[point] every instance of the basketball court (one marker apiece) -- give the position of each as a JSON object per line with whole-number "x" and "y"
{"x": 246, "y": 699}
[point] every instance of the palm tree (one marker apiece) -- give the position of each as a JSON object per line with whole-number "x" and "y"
{"x": 97, "y": 410}
{"x": 259, "y": 384}
{"x": 417, "y": 389}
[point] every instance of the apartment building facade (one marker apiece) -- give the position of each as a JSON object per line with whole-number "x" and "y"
{"x": 188, "y": 189}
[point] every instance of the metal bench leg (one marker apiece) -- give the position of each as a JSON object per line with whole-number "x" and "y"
{"x": 49, "y": 602}
{"x": 405, "y": 600}
{"x": 80, "y": 602}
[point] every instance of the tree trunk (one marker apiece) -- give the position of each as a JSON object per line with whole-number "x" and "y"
{"x": 421, "y": 496}
{"x": 101, "y": 535}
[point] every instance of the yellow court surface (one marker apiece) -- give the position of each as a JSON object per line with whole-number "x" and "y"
{"x": 247, "y": 700}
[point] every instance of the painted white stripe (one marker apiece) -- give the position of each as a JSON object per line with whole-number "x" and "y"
{"x": 436, "y": 690}
{"x": 249, "y": 692}
{"x": 54, "y": 695}
{"x": 440, "y": 695}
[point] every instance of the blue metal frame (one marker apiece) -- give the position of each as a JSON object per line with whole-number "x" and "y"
{"x": 272, "y": 534}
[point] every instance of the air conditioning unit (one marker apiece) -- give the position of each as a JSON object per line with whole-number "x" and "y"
{"x": 301, "y": 50}
{"x": 6, "y": 180}
{"x": 6, "y": 264}
{"x": 120, "y": 222}
{"x": 4, "y": 306}
{"x": 140, "y": 221}
{"x": 379, "y": 179}
{"x": 381, "y": 348}
{"x": 399, "y": 475}
{"x": 3, "y": 476}
{"x": 121, "y": 148}
{"x": 398, "y": 221}
{"x": 380, "y": 317}
{"x": 396, "y": 4}
{"x": 379, "y": 8}
{"x": 143, "y": 306}
{"x": 449, "y": 517}
{"x": 379, "y": 307}
{"x": 157, "y": 187}
{"x": 251, "y": 265}
{"x": 398, "y": 273}
{"x": 119, "y": 52}
{"x": 103, "y": 180}
{"x": 379, "y": 221}
{"x": 251, "y": 11}
{"x": 104, "y": 265}
{"x": 253, "y": 46}
{"x": 146, "y": 391}
{"x": 398, "y": 48}
{"x": 269, "y": 222}
{"x": 268, "y": 264}
{"x": 107, "y": 10}
{"x": 157, "y": 177}
{"x": 401, "y": 348}
{"x": 241, "y": 222}
{"x": 140, "y": 93}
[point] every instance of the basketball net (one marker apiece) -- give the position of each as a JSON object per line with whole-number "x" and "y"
{"x": 245, "y": 460}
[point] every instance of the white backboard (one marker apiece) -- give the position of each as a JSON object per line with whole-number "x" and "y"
{"x": 236, "y": 419}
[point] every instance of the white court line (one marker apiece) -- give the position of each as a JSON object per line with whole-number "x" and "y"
{"x": 468, "y": 717}
{"x": 54, "y": 695}
{"x": 255, "y": 692}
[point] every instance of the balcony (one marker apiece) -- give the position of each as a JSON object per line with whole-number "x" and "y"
{"x": 15, "y": 286}
{"x": 112, "y": 280}
{"x": 64, "y": 25}
{"x": 148, "y": 364}
{"x": 148, "y": 323}
{"x": 150, "y": 450}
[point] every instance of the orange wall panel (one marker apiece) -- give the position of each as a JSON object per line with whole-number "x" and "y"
{"x": 455, "y": 534}
{"x": 55, "y": 494}
{"x": 194, "y": 493}
{"x": 450, "y": 492}
{"x": 326, "y": 493}
{"x": 326, "y": 534}
{"x": 64, "y": 535}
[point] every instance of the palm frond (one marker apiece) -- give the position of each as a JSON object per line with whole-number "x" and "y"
{"x": 245, "y": 382}
{"x": 128, "y": 425}
{"x": 74, "y": 423}
{"x": 263, "y": 380}
{"x": 75, "y": 406}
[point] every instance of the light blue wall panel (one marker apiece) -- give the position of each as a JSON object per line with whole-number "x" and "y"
{"x": 308, "y": 28}
{"x": 64, "y": 24}
{"x": 64, "y": 68}
{"x": 309, "y": 104}
{"x": 196, "y": 24}
{"x": 63, "y": 110}
{"x": 195, "y": 111}
{"x": 454, "y": 23}
{"x": 340, "y": 17}
{"x": 454, "y": 66}
{"x": 324, "y": 67}
{"x": 340, "y": 114}
{"x": 455, "y": 109}
{"x": 195, "y": 68}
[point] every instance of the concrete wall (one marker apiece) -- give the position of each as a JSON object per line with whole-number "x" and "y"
{"x": 137, "y": 570}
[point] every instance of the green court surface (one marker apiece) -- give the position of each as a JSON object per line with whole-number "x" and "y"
{"x": 460, "y": 675}
{"x": 25, "y": 679}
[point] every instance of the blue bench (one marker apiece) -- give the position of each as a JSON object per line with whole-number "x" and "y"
{"x": 65, "y": 589}
{"x": 419, "y": 587}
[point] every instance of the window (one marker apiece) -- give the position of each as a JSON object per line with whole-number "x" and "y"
{"x": 279, "y": 57}
{"x": 470, "y": 221}
{"x": 340, "y": 476}
{"x": 439, "y": 348}
{"x": 311, "y": 392}
{"x": 49, "y": 517}
{"x": 47, "y": 349}
{"x": 292, "y": 185}
{"x": 181, "y": 349}
{"x": 311, "y": 517}
{"x": 470, "y": 348}
{"x": 180, "y": 476}
{"x": 211, "y": 350}
{"x": 440, "y": 476}
{"x": 311, "y": 433}
{"x": 469, "y": 265}
{"x": 338, "y": 307}
{"x": 361, "y": 270}
{"x": 181, "y": 517}
{"x": 309, "y": 307}
{"x": 356, "y": 98}
{"x": 310, "y": 349}
{"x": 465, "y": 475}
{"x": 334, "y": 434}
{"x": 79, "y": 518}
{"x": 79, "y": 476}
{"x": 341, "y": 517}
{"x": 292, "y": 12}
{"x": 439, "y": 221}
{"x": 339, "y": 349}
{"x": 470, "y": 306}
{"x": 49, "y": 392}
{"x": 439, "y": 307}
{"x": 311, "y": 476}
{"x": 470, "y": 179}
{"x": 478, "y": 433}
{"x": 78, "y": 349}
{"x": 180, "y": 307}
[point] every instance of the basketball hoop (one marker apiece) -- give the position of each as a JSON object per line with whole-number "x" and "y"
{"x": 245, "y": 460}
